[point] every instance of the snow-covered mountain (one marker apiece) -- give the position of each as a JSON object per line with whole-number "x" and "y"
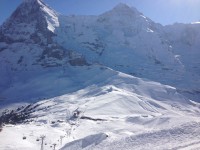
{"x": 122, "y": 39}
{"x": 185, "y": 40}
{"x": 26, "y": 43}
{"x": 92, "y": 82}
{"x": 31, "y": 27}
{"x": 114, "y": 108}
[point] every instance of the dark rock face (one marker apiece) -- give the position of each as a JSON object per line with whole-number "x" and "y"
{"x": 27, "y": 23}
{"x": 27, "y": 12}
{"x": 17, "y": 116}
{"x": 21, "y": 114}
{"x": 78, "y": 62}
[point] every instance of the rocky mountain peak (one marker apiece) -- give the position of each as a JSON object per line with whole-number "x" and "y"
{"x": 27, "y": 10}
{"x": 31, "y": 1}
{"x": 124, "y": 9}
{"x": 121, "y": 6}
{"x": 28, "y": 20}
{"x": 32, "y": 10}
{"x": 121, "y": 13}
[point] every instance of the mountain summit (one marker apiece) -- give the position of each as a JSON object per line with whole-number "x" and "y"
{"x": 125, "y": 9}
{"x": 32, "y": 28}
{"x": 122, "y": 39}
{"x": 71, "y": 77}
{"x": 122, "y": 7}
{"x": 30, "y": 18}
{"x": 31, "y": 10}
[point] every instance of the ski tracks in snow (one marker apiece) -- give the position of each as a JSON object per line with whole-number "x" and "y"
{"x": 185, "y": 137}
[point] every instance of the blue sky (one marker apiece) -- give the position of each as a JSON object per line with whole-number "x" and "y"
{"x": 160, "y": 11}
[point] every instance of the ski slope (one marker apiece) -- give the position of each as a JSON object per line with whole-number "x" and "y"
{"x": 113, "y": 81}
{"x": 116, "y": 112}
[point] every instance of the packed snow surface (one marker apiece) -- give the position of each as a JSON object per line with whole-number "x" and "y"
{"x": 117, "y": 111}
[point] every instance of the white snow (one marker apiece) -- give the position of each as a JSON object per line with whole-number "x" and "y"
{"x": 196, "y": 22}
{"x": 51, "y": 17}
{"x": 91, "y": 140}
{"x": 101, "y": 106}
{"x": 130, "y": 111}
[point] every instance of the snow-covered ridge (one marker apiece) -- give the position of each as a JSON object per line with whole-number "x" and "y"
{"x": 122, "y": 39}
{"x": 51, "y": 17}
{"x": 135, "y": 44}
{"x": 114, "y": 107}
{"x": 72, "y": 79}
